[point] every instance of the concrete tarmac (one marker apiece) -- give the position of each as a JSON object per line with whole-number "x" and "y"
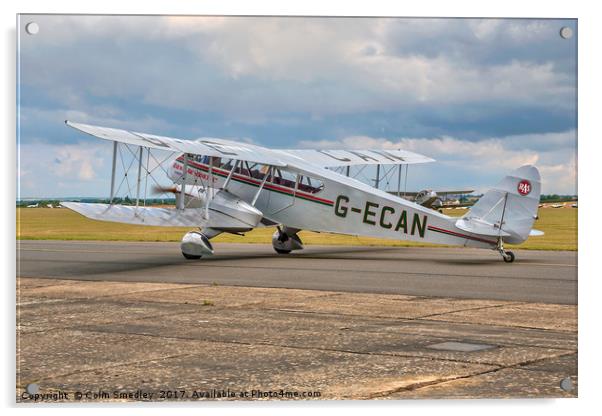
{"x": 536, "y": 276}
{"x": 112, "y": 321}
{"x": 118, "y": 341}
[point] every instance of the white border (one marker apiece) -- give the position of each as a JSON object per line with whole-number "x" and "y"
{"x": 589, "y": 204}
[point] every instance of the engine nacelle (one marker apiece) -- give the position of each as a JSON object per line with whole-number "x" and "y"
{"x": 195, "y": 244}
{"x": 244, "y": 214}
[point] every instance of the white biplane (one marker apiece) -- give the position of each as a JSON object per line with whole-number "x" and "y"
{"x": 222, "y": 186}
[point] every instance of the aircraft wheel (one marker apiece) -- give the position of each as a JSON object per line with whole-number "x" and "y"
{"x": 279, "y": 251}
{"x": 509, "y": 257}
{"x": 190, "y": 256}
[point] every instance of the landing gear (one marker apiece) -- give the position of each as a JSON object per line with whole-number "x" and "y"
{"x": 285, "y": 240}
{"x": 195, "y": 244}
{"x": 508, "y": 256}
{"x": 282, "y": 239}
{"x": 190, "y": 256}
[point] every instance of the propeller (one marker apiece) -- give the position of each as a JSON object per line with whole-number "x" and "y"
{"x": 191, "y": 200}
{"x": 160, "y": 189}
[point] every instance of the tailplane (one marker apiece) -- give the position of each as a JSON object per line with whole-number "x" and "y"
{"x": 509, "y": 209}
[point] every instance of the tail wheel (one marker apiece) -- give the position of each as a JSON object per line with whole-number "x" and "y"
{"x": 190, "y": 256}
{"x": 508, "y": 257}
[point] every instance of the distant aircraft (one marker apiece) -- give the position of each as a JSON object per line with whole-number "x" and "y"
{"x": 434, "y": 199}
{"x": 33, "y": 205}
{"x": 557, "y": 205}
{"x": 224, "y": 186}
{"x": 574, "y": 205}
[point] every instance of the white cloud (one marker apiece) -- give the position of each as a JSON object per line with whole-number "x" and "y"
{"x": 240, "y": 66}
{"x": 485, "y": 28}
{"x": 84, "y": 169}
{"x": 82, "y": 165}
{"x": 77, "y": 161}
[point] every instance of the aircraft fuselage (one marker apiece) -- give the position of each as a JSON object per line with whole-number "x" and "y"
{"x": 329, "y": 206}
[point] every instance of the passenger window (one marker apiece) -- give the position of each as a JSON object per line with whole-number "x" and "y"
{"x": 310, "y": 185}
{"x": 284, "y": 178}
{"x": 227, "y": 164}
{"x": 306, "y": 184}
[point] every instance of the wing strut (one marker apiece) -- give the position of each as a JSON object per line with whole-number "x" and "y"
{"x": 405, "y": 183}
{"x": 183, "y": 189}
{"x": 209, "y": 189}
{"x": 227, "y": 181}
{"x": 139, "y": 178}
{"x": 265, "y": 178}
{"x": 113, "y": 169}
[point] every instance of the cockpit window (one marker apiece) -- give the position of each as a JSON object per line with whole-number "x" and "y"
{"x": 258, "y": 171}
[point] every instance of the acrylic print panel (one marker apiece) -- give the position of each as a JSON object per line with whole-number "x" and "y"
{"x": 295, "y": 208}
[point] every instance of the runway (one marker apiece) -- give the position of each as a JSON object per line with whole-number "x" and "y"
{"x": 536, "y": 276}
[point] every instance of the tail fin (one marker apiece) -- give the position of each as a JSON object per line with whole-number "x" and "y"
{"x": 510, "y": 206}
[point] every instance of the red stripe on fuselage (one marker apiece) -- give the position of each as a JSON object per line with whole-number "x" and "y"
{"x": 470, "y": 237}
{"x": 205, "y": 168}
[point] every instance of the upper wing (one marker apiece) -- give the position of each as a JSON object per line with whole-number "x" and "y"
{"x": 452, "y": 192}
{"x": 333, "y": 158}
{"x": 244, "y": 151}
{"x": 204, "y": 146}
{"x": 439, "y": 193}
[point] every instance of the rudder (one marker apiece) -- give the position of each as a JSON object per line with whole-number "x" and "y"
{"x": 510, "y": 205}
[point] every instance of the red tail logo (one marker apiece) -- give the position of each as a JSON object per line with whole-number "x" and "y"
{"x": 524, "y": 187}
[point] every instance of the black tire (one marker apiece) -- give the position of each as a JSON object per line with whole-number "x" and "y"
{"x": 190, "y": 256}
{"x": 509, "y": 257}
{"x": 280, "y": 251}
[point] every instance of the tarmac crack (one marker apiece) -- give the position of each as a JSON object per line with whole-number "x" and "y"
{"x": 416, "y": 386}
{"x": 536, "y": 328}
{"x": 476, "y": 308}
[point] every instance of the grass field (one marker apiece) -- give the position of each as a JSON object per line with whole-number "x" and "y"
{"x": 560, "y": 226}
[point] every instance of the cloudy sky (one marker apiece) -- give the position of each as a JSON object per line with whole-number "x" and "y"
{"x": 482, "y": 97}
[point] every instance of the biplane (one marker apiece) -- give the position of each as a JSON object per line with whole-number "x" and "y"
{"x": 223, "y": 186}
